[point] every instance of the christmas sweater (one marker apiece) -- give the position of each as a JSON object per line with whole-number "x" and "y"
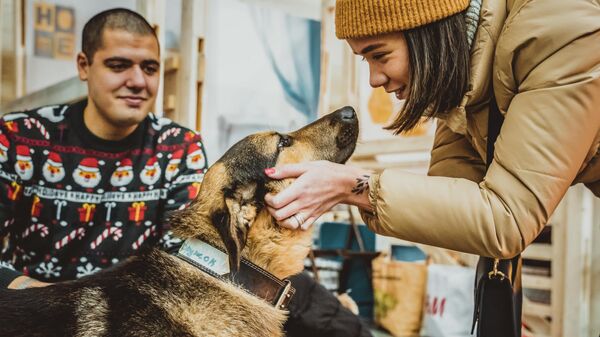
{"x": 72, "y": 204}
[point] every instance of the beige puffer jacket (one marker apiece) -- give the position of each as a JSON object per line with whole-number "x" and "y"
{"x": 543, "y": 57}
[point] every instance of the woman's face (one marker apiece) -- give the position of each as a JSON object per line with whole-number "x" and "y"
{"x": 387, "y": 56}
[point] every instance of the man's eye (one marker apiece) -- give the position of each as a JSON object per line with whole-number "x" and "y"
{"x": 150, "y": 70}
{"x": 117, "y": 66}
{"x": 284, "y": 141}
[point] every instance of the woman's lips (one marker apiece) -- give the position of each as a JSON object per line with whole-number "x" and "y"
{"x": 400, "y": 93}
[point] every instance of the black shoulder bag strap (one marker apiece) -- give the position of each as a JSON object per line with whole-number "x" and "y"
{"x": 498, "y": 296}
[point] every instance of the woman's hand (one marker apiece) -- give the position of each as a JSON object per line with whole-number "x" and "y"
{"x": 319, "y": 186}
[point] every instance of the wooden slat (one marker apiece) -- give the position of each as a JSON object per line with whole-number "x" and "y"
{"x": 399, "y": 144}
{"x": 539, "y": 326}
{"x": 536, "y": 309}
{"x": 171, "y": 62}
{"x": 537, "y": 282}
{"x": 379, "y": 166}
{"x": 538, "y": 251}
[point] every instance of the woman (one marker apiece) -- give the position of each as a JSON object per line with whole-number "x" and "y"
{"x": 541, "y": 62}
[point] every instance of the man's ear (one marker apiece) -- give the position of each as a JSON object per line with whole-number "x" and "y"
{"x": 83, "y": 65}
{"x": 234, "y": 223}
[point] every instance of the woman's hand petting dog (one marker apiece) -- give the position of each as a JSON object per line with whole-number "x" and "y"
{"x": 319, "y": 186}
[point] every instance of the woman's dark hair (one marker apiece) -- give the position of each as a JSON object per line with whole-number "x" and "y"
{"x": 116, "y": 18}
{"x": 439, "y": 70}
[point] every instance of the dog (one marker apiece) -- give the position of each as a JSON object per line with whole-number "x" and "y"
{"x": 225, "y": 280}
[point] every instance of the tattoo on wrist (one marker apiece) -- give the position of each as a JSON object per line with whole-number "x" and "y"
{"x": 362, "y": 184}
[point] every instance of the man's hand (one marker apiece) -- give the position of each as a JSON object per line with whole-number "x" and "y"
{"x": 23, "y": 282}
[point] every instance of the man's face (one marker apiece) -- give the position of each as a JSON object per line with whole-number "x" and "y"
{"x": 122, "y": 82}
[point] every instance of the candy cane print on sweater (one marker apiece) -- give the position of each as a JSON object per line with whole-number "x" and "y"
{"x": 38, "y": 125}
{"x": 138, "y": 243}
{"x": 116, "y": 232}
{"x": 34, "y": 228}
{"x": 79, "y": 232}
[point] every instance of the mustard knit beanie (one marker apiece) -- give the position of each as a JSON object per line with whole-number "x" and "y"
{"x": 361, "y": 18}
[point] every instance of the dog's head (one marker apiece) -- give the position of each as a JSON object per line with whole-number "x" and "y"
{"x": 229, "y": 210}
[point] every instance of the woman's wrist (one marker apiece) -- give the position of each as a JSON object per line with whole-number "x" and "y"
{"x": 357, "y": 189}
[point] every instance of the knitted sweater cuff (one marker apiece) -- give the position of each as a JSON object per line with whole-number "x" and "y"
{"x": 7, "y": 276}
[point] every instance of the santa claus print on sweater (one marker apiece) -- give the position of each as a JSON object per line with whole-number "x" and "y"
{"x": 195, "y": 158}
{"x": 87, "y": 173}
{"x": 151, "y": 172}
{"x": 24, "y": 165}
{"x": 4, "y": 145}
{"x": 53, "y": 169}
{"x": 123, "y": 174}
{"x": 173, "y": 166}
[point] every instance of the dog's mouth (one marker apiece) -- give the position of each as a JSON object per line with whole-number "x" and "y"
{"x": 347, "y": 135}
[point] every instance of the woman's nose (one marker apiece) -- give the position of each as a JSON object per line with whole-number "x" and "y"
{"x": 376, "y": 77}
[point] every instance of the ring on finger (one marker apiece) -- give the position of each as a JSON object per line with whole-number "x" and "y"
{"x": 299, "y": 219}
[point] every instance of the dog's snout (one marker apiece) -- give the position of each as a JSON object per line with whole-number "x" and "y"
{"x": 347, "y": 114}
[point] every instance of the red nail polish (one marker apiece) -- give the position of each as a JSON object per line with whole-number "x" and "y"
{"x": 269, "y": 171}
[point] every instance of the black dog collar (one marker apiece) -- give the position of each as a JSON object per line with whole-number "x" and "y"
{"x": 254, "y": 279}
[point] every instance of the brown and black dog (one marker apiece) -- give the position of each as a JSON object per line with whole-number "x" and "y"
{"x": 159, "y": 294}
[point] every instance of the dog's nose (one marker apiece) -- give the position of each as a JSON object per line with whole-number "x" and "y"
{"x": 348, "y": 114}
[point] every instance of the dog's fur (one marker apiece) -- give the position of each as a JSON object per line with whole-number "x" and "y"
{"x": 156, "y": 294}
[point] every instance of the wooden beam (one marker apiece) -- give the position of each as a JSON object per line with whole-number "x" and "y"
{"x": 155, "y": 11}
{"x": 193, "y": 19}
{"x": 12, "y": 55}
{"x": 595, "y": 272}
{"x": 559, "y": 229}
{"x": 577, "y": 271}
{"x": 19, "y": 45}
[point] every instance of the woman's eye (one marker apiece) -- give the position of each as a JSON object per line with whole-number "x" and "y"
{"x": 378, "y": 56}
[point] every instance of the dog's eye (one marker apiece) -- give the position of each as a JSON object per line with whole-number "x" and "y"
{"x": 284, "y": 141}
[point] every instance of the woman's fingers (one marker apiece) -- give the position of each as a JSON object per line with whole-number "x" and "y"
{"x": 285, "y": 212}
{"x": 309, "y": 222}
{"x": 287, "y": 171}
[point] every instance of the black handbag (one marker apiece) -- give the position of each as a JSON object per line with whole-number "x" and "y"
{"x": 498, "y": 294}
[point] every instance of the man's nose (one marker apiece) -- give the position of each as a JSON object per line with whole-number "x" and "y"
{"x": 136, "y": 78}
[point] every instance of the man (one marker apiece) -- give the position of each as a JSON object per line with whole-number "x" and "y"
{"x": 86, "y": 185}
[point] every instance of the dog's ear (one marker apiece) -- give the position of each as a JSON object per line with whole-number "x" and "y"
{"x": 233, "y": 223}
